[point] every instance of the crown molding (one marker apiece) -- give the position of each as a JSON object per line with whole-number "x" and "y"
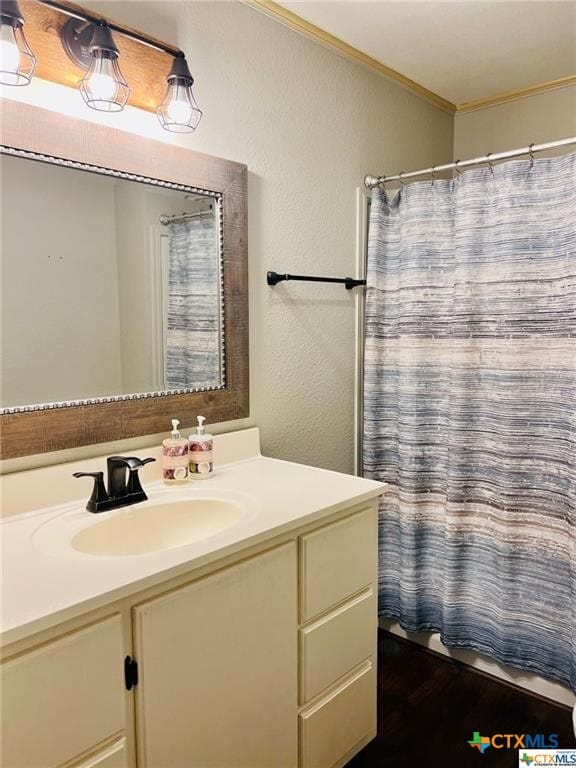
{"x": 306, "y": 28}
{"x": 503, "y": 98}
{"x": 319, "y": 35}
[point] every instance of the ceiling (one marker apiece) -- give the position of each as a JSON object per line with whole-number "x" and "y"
{"x": 461, "y": 50}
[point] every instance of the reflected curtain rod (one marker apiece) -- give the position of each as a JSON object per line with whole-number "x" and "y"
{"x": 172, "y": 219}
{"x": 374, "y": 181}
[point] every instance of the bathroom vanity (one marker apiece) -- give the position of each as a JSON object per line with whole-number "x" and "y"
{"x": 254, "y": 645}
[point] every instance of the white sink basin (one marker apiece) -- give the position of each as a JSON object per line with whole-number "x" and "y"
{"x": 156, "y": 527}
{"x": 165, "y": 521}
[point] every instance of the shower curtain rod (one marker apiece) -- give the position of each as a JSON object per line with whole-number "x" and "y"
{"x": 166, "y": 219}
{"x": 373, "y": 181}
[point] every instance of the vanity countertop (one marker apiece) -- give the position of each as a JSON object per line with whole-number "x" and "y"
{"x": 41, "y": 589}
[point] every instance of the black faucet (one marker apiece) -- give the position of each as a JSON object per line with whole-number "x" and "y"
{"x": 122, "y": 490}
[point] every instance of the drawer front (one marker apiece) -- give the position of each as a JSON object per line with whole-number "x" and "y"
{"x": 64, "y": 697}
{"x": 336, "y": 643}
{"x": 113, "y": 756}
{"x": 331, "y": 729}
{"x": 337, "y": 561}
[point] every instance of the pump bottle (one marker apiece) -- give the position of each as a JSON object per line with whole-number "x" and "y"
{"x": 201, "y": 445}
{"x": 175, "y": 456}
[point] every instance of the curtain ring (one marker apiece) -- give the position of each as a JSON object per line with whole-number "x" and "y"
{"x": 400, "y": 178}
{"x": 433, "y": 175}
{"x": 490, "y": 165}
{"x": 457, "y": 169}
{"x": 531, "y": 153}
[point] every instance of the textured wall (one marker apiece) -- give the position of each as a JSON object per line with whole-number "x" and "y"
{"x": 536, "y": 119}
{"x": 309, "y": 124}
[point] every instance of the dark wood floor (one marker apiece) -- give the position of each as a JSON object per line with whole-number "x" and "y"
{"x": 429, "y": 706}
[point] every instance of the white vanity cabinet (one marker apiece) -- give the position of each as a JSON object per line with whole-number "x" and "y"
{"x": 265, "y": 660}
{"x": 217, "y": 659}
{"x": 64, "y": 702}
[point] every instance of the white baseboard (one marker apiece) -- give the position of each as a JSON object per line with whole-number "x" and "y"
{"x": 527, "y": 680}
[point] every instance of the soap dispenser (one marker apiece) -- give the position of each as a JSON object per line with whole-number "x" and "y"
{"x": 201, "y": 444}
{"x": 175, "y": 456}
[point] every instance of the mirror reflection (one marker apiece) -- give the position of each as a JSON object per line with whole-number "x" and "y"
{"x": 125, "y": 296}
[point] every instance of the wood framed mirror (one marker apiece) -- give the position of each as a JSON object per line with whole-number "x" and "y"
{"x": 44, "y": 411}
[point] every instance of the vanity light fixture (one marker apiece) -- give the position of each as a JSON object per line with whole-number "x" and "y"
{"x": 88, "y": 42}
{"x": 179, "y": 111}
{"x": 92, "y": 47}
{"x": 104, "y": 87}
{"x": 17, "y": 62}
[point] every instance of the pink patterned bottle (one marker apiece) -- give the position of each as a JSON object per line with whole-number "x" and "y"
{"x": 175, "y": 456}
{"x": 201, "y": 445}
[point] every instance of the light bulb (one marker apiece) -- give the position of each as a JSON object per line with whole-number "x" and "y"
{"x": 9, "y": 51}
{"x": 101, "y": 86}
{"x": 17, "y": 61}
{"x": 104, "y": 88}
{"x": 179, "y": 111}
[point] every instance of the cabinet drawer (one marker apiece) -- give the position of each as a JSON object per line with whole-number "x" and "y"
{"x": 336, "y": 561}
{"x": 346, "y": 718}
{"x": 336, "y": 643}
{"x": 64, "y": 697}
{"x": 113, "y": 756}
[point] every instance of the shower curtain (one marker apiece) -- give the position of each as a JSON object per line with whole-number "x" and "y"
{"x": 193, "y": 331}
{"x": 470, "y": 409}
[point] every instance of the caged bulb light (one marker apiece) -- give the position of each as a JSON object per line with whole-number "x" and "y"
{"x": 103, "y": 87}
{"x": 179, "y": 111}
{"x": 17, "y": 62}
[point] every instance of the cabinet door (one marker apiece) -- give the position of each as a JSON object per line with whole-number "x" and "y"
{"x": 217, "y": 662}
{"x": 63, "y": 698}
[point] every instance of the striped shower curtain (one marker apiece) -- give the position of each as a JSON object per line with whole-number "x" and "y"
{"x": 470, "y": 409}
{"x": 193, "y": 332}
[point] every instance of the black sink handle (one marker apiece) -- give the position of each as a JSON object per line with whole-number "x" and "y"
{"x": 132, "y": 462}
{"x": 133, "y": 486}
{"x": 99, "y": 494}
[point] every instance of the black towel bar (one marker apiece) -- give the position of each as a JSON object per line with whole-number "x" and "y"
{"x": 272, "y": 278}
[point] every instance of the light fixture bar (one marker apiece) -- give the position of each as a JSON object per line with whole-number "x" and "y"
{"x": 78, "y": 13}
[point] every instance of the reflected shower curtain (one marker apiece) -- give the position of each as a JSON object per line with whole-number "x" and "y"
{"x": 193, "y": 333}
{"x": 470, "y": 410}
